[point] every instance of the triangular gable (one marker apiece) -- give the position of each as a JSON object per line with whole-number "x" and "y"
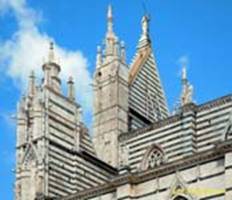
{"x": 147, "y": 102}
{"x": 146, "y": 95}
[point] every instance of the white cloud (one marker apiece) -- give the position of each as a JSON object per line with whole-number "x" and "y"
{"x": 28, "y": 46}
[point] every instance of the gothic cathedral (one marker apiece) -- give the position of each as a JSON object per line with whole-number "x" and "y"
{"x": 138, "y": 150}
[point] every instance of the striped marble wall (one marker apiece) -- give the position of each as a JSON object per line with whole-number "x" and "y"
{"x": 195, "y": 129}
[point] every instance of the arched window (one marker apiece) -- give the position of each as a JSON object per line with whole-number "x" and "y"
{"x": 153, "y": 157}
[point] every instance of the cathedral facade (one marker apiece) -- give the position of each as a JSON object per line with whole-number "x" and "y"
{"x": 138, "y": 150}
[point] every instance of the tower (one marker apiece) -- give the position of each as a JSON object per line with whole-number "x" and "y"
{"x": 49, "y": 132}
{"x": 110, "y": 95}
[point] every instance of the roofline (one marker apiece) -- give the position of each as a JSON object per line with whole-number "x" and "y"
{"x": 174, "y": 118}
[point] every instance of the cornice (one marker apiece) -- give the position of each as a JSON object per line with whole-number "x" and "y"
{"x": 217, "y": 102}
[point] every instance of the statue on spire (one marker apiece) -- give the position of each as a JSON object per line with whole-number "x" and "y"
{"x": 145, "y": 25}
{"x": 145, "y": 38}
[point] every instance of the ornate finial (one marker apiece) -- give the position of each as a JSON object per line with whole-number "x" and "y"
{"x": 71, "y": 89}
{"x": 187, "y": 88}
{"x": 51, "y": 55}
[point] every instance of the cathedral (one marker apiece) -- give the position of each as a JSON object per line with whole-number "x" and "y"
{"x": 138, "y": 149}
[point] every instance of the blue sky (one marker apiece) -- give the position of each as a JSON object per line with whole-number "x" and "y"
{"x": 193, "y": 30}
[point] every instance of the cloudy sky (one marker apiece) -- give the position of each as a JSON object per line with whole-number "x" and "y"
{"x": 192, "y": 31}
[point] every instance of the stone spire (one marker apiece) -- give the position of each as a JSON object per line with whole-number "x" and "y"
{"x": 111, "y": 40}
{"x": 145, "y": 37}
{"x": 112, "y": 48}
{"x": 187, "y": 88}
